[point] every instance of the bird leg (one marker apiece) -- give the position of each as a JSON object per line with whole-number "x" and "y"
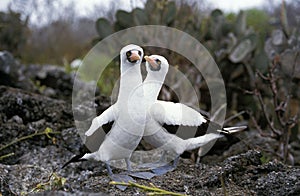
{"x": 108, "y": 168}
{"x": 162, "y": 158}
{"x": 175, "y": 162}
{"x": 128, "y": 164}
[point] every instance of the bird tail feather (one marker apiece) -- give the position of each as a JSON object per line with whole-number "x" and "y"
{"x": 231, "y": 130}
{"x": 193, "y": 143}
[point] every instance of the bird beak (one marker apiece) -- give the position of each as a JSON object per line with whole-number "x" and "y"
{"x": 151, "y": 62}
{"x": 134, "y": 57}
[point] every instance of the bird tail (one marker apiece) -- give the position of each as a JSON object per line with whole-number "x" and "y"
{"x": 193, "y": 143}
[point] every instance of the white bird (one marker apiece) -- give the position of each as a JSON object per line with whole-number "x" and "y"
{"x": 163, "y": 112}
{"x": 126, "y": 114}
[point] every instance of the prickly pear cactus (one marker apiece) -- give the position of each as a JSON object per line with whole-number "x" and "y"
{"x": 125, "y": 19}
{"x": 287, "y": 49}
{"x": 154, "y": 13}
{"x": 103, "y": 28}
{"x": 139, "y": 17}
{"x": 243, "y": 48}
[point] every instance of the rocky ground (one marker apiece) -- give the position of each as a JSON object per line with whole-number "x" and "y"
{"x": 38, "y": 135}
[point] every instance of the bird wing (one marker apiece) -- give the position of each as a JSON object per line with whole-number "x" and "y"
{"x": 171, "y": 113}
{"x": 109, "y": 115}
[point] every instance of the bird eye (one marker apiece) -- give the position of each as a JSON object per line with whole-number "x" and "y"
{"x": 158, "y": 67}
{"x": 158, "y": 61}
{"x": 128, "y": 53}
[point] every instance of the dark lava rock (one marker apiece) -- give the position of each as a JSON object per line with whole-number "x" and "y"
{"x": 12, "y": 73}
{"x": 49, "y": 80}
{"x": 52, "y": 80}
{"x": 4, "y": 185}
{"x": 279, "y": 183}
{"x": 72, "y": 139}
{"x": 32, "y": 107}
{"x": 242, "y": 174}
{"x": 23, "y": 113}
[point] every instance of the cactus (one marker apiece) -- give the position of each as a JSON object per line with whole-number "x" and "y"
{"x": 13, "y": 32}
{"x": 240, "y": 24}
{"x": 278, "y": 37}
{"x": 149, "y": 7}
{"x": 261, "y": 61}
{"x": 243, "y": 48}
{"x": 284, "y": 19}
{"x": 125, "y": 19}
{"x": 216, "y": 24}
{"x": 287, "y": 49}
{"x": 216, "y": 15}
{"x": 103, "y": 28}
{"x": 139, "y": 17}
{"x": 290, "y": 63}
{"x": 169, "y": 13}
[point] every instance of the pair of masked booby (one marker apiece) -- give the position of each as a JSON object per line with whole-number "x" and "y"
{"x": 138, "y": 114}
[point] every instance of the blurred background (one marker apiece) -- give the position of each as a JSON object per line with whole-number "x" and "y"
{"x": 255, "y": 44}
{"x": 60, "y": 31}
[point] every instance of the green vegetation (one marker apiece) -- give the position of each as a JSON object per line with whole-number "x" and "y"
{"x": 13, "y": 32}
{"x": 46, "y": 132}
{"x": 54, "y": 182}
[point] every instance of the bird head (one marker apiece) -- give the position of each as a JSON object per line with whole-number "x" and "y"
{"x": 131, "y": 55}
{"x": 157, "y": 66}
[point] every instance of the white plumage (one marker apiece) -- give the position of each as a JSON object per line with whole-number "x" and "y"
{"x": 175, "y": 114}
{"x": 129, "y": 118}
{"x": 162, "y": 112}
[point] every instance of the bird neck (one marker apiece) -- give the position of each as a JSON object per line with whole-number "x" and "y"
{"x": 131, "y": 101}
{"x": 152, "y": 87}
{"x": 130, "y": 79}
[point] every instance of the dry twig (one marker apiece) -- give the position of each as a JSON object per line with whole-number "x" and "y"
{"x": 151, "y": 189}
